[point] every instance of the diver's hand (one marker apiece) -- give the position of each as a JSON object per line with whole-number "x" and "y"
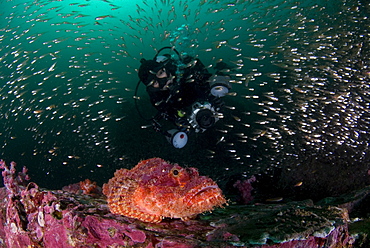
{"x": 217, "y": 103}
{"x": 156, "y": 126}
{"x": 182, "y": 124}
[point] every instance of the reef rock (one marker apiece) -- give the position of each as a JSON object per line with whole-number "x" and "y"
{"x": 35, "y": 217}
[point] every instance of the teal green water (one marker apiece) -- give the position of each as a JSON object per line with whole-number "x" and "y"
{"x": 69, "y": 71}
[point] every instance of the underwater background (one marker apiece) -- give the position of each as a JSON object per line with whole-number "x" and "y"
{"x": 297, "y": 115}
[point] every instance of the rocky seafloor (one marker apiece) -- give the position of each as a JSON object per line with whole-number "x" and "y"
{"x": 73, "y": 217}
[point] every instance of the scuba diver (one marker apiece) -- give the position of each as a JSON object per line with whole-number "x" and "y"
{"x": 183, "y": 92}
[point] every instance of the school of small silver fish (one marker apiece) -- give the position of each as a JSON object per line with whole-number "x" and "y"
{"x": 300, "y": 77}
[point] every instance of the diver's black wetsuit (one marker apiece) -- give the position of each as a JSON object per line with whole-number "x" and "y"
{"x": 189, "y": 85}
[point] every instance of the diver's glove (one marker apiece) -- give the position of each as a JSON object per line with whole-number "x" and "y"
{"x": 182, "y": 124}
{"x": 156, "y": 126}
{"x": 217, "y": 103}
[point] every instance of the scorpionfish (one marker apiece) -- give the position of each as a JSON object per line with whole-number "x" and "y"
{"x": 155, "y": 189}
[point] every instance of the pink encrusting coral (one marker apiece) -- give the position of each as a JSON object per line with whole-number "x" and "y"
{"x": 39, "y": 218}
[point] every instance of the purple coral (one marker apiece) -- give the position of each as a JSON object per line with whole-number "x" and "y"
{"x": 245, "y": 189}
{"x": 40, "y": 218}
{"x": 14, "y": 184}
